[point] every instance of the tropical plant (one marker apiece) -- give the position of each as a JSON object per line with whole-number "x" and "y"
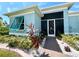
{"x": 34, "y": 38}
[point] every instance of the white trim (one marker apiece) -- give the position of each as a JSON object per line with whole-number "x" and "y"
{"x": 51, "y": 11}
{"x": 74, "y": 33}
{"x": 54, "y": 18}
{"x": 23, "y": 14}
{"x": 18, "y": 34}
{"x": 74, "y": 15}
{"x": 48, "y": 27}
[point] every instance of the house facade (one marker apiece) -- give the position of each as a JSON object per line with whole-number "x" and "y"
{"x": 20, "y": 20}
{"x": 51, "y": 21}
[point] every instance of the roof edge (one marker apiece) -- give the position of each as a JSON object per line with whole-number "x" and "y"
{"x": 68, "y": 5}
{"x": 33, "y": 7}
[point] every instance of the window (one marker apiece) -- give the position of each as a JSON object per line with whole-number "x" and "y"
{"x": 18, "y": 23}
{"x": 22, "y": 25}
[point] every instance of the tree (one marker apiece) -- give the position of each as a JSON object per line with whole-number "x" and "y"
{"x": 1, "y": 23}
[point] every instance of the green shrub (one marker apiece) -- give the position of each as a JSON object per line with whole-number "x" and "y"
{"x": 6, "y": 38}
{"x": 4, "y": 30}
{"x": 16, "y": 41}
{"x": 25, "y": 44}
{"x": 13, "y": 43}
{"x": 71, "y": 40}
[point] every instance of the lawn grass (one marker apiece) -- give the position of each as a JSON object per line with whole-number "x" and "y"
{"x": 7, "y": 53}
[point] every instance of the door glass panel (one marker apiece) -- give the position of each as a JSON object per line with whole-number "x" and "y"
{"x": 51, "y": 27}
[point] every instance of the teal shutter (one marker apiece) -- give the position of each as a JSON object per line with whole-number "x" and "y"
{"x": 17, "y": 21}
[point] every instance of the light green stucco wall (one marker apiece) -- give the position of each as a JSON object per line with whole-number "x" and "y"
{"x": 37, "y": 23}
{"x": 28, "y": 19}
{"x": 35, "y": 20}
{"x": 74, "y": 24}
{"x": 66, "y": 21}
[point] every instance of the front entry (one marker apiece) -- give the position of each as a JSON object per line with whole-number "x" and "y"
{"x": 51, "y": 27}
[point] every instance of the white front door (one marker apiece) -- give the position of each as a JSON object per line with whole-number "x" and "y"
{"x": 51, "y": 27}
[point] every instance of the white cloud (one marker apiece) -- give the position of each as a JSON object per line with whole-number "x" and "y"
{"x": 41, "y": 3}
{"x": 11, "y": 3}
{"x": 76, "y": 6}
{"x": 0, "y": 8}
{"x": 14, "y": 9}
{"x": 8, "y": 9}
{"x": 11, "y": 9}
{"x": 24, "y": 4}
{"x": 34, "y": 3}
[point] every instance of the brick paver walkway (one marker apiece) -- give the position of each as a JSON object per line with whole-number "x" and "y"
{"x": 51, "y": 53}
{"x": 52, "y": 44}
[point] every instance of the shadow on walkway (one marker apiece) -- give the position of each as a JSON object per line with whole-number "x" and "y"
{"x": 44, "y": 55}
{"x": 52, "y": 44}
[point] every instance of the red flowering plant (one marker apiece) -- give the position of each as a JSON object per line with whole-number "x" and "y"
{"x": 35, "y": 40}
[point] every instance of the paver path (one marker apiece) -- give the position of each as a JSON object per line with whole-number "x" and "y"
{"x": 52, "y": 53}
{"x": 52, "y": 44}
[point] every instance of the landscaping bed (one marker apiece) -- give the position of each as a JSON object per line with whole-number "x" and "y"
{"x": 72, "y": 40}
{"x": 22, "y": 42}
{"x": 16, "y": 41}
{"x": 7, "y": 53}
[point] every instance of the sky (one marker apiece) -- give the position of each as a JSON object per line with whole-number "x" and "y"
{"x": 13, "y": 6}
